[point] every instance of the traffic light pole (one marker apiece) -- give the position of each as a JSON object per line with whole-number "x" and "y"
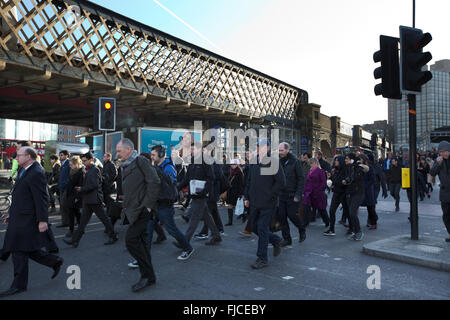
{"x": 413, "y": 166}
{"x": 104, "y": 143}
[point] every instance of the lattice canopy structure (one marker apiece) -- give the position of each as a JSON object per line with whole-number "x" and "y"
{"x": 78, "y": 39}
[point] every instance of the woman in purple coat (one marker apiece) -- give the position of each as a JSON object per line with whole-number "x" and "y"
{"x": 314, "y": 191}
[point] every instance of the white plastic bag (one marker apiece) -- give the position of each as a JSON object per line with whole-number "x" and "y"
{"x": 239, "y": 207}
{"x": 196, "y": 186}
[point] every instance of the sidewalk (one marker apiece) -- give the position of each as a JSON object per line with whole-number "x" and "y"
{"x": 428, "y": 251}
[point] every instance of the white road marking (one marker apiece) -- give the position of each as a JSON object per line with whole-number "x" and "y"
{"x": 288, "y": 278}
{"x": 313, "y": 268}
{"x": 259, "y": 289}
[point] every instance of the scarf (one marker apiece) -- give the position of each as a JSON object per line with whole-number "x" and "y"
{"x": 127, "y": 162}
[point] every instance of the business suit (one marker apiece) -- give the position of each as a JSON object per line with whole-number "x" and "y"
{"x": 23, "y": 240}
{"x": 92, "y": 199}
{"x": 63, "y": 182}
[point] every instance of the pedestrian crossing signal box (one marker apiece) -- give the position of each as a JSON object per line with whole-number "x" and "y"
{"x": 406, "y": 181}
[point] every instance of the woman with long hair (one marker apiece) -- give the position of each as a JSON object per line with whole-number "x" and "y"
{"x": 236, "y": 179}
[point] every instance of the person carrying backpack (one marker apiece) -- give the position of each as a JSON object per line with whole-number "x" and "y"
{"x": 166, "y": 199}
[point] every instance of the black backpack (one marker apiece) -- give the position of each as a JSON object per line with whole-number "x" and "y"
{"x": 168, "y": 191}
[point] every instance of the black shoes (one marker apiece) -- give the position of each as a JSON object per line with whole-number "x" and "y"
{"x": 285, "y": 243}
{"x": 259, "y": 264}
{"x": 112, "y": 240}
{"x": 186, "y": 219}
{"x": 57, "y": 267}
{"x": 70, "y": 242}
{"x": 447, "y": 239}
{"x": 229, "y": 224}
{"x": 11, "y": 291}
{"x": 213, "y": 241}
{"x": 143, "y": 283}
{"x": 62, "y": 226}
{"x": 302, "y": 236}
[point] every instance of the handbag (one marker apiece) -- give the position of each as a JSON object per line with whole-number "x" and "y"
{"x": 275, "y": 223}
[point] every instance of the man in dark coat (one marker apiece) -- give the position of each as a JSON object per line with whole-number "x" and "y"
{"x": 92, "y": 198}
{"x": 441, "y": 167}
{"x": 28, "y": 218}
{"x": 395, "y": 181}
{"x": 261, "y": 195}
{"x": 109, "y": 174}
{"x": 141, "y": 185}
{"x": 63, "y": 182}
{"x": 291, "y": 196}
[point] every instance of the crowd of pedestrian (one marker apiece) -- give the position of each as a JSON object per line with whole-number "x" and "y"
{"x": 141, "y": 190}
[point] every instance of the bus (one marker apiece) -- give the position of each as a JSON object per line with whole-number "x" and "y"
{"x": 344, "y": 150}
{"x": 9, "y": 146}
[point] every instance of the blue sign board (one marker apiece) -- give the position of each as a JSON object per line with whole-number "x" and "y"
{"x": 168, "y": 138}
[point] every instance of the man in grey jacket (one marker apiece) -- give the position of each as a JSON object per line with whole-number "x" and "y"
{"x": 140, "y": 185}
{"x": 441, "y": 167}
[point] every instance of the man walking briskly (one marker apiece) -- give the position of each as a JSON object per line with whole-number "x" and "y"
{"x": 291, "y": 195}
{"x": 140, "y": 186}
{"x": 395, "y": 181}
{"x": 261, "y": 195}
{"x": 63, "y": 182}
{"x": 441, "y": 167}
{"x": 92, "y": 200}
{"x": 28, "y": 217}
{"x": 109, "y": 175}
{"x": 200, "y": 175}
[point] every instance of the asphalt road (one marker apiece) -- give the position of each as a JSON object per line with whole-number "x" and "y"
{"x": 319, "y": 268}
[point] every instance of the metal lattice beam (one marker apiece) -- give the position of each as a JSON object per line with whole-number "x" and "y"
{"x": 103, "y": 42}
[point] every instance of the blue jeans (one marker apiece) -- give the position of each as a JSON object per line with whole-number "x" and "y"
{"x": 261, "y": 226}
{"x": 165, "y": 215}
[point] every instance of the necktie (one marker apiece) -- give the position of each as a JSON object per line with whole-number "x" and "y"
{"x": 21, "y": 173}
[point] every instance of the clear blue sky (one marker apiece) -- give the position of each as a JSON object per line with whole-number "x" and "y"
{"x": 323, "y": 46}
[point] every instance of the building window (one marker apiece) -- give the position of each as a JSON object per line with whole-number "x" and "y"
{"x": 78, "y": 132}
{"x": 69, "y": 132}
{"x": 316, "y": 115}
{"x": 61, "y": 132}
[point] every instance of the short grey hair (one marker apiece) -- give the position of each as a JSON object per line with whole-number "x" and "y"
{"x": 127, "y": 142}
{"x": 286, "y": 145}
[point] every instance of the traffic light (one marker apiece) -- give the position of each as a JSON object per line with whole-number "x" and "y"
{"x": 105, "y": 114}
{"x": 413, "y": 59}
{"x": 389, "y": 70}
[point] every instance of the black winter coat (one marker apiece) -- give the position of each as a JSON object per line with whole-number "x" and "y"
{"x": 29, "y": 207}
{"x": 202, "y": 172}
{"x": 295, "y": 177}
{"x": 395, "y": 174}
{"x": 263, "y": 190}
{"x": 91, "y": 191}
{"x": 237, "y": 187}
{"x": 338, "y": 175}
{"x": 109, "y": 174}
{"x": 76, "y": 180}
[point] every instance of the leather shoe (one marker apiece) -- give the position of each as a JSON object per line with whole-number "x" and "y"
{"x": 11, "y": 291}
{"x": 285, "y": 243}
{"x": 143, "y": 283}
{"x": 111, "y": 240}
{"x": 57, "y": 267}
{"x": 62, "y": 226}
{"x": 54, "y": 251}
{"x": 447, "y": 239}
{"x": 302, "y": 237}
{"x": 71, "y": 242}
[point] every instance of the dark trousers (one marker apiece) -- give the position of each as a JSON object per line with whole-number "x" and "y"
{"x": 88, "y": 210}
{"x": 214, "y": 211}
{"x": 261, "y": 226}
{"x": 337, "y": 199}
{"x": 372, "y": 217}
{"x": 51, "y": 193}
{"x": 108, "y": 199}
{"x": 354, "y": 201}
{"x": 137, "y": 246}
{"x": 63, "y": 209}
{"x": 20, "y": 261}
{"x": 165, "y": 215}
{"x": 48, "y": 239}
{"x": 288, "y": 208}
{"x": 394, "y": 188}
{"x": 74, "y": 213}
{"x": 198, "y": 211}
{"x": 446, "y": 215}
